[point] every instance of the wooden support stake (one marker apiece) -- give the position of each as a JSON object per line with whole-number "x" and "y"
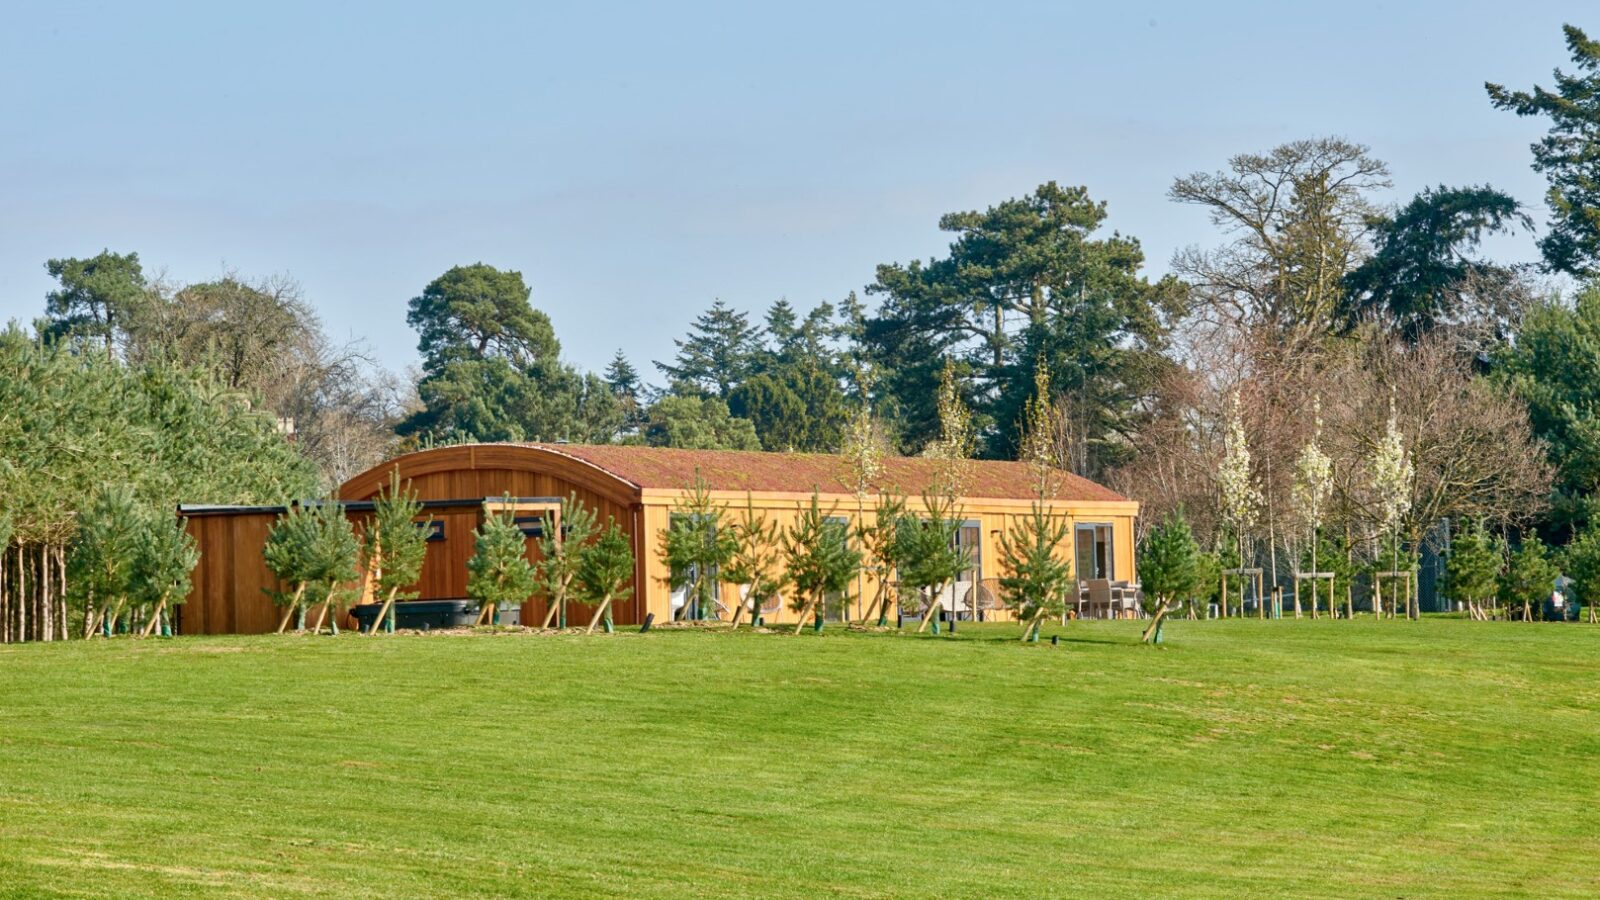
{"x": 598, "y": 613}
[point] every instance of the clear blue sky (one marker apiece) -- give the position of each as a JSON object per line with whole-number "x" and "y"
{"x": 635, "y": 162}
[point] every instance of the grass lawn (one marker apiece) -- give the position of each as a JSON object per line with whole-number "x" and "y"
{"x": 1246, "y": 758}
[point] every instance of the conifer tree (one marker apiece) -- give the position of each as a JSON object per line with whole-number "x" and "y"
{"x": 604, "y": 567}
{"x": 754, "y": 566}
{"x": 290, "y": 556}
{"x": 335, "y": 555}
{"x": 717, "y": 354}
{"x": 499, "y": 572}
{"x": 696, "y": 546}
{"x": 820, "y": 560}
{"x": 1037, "y": 575}
{"x": 100, "y": 566}
{"x": 164, "y": 558}
{"x": 882, "y": 548}
{"x": 394, "y": 546}
{"x": 1582, "y": 565}
{"x": 930, "y": 557}
{"x": 559, "y": 549}
{"x": 1169, "y": 565}
{"x": 1528, "y": 578}
{"x": 1473, "y": 566}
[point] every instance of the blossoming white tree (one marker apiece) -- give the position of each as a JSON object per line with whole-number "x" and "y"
{"x": 1313, "y": 481}
{"x": 1241, "y": 499}
{"x": 1392, "y": 473}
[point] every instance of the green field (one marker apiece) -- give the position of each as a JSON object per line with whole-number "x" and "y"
{"x": 1441, "y": 758}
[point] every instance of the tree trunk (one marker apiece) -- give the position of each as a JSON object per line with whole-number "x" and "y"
{"x": 323, "y": 615}
{"x": 155, "y": 620}
{"x": 805, "y": 615}
{"x": 46, "y": 601}
{"x": 116, "y": 613}
{"x": 383, "y": 614}
{"x": 934, "y": 605}
{"x": 288, "y": 611}
{"x": 1155, "y": 623}
{"x": 550, "y": 610}
{"x": 1032, "y": 625}
{"x": 600, "y": 611}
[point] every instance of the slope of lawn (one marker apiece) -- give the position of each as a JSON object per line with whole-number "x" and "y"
{"x": 1441, "y": 758}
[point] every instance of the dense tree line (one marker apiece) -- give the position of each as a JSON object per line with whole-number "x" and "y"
{"x": 1321, "y": 333}
{"x": 74, "y": 424}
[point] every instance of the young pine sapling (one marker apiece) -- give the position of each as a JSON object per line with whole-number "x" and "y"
{"x": 604, "y": 566}
{"x": 395, "y": 546}
{"x": 559, "y": 548}
{"x": 696, "y": 546}
{"x": 930, "y": 556}
{"x": 165, "y": 557}
{"x": 499, "y": 572}
{"x": 1037, "y": 576}
{"x": 1169, "y": 564}
{"x": 881, "y": 546}
{"x": 819, "y": 559}
{"x": 755, "y": 564}
{"x": 99, "y": 567}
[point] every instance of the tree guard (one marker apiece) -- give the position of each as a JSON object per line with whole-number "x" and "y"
{"x": 1245, "y": 576}
{"x": 1316, "y": 578}
{"x": 1378, "y": 578}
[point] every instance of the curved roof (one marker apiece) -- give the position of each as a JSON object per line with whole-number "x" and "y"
{"x": 623, "y": 471}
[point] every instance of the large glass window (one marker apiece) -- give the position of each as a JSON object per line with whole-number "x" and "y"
{"x": 1094, "y": 551}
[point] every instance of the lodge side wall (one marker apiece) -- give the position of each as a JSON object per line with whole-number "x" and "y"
{"x": 231, "y": 583}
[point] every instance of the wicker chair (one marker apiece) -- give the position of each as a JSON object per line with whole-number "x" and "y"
{"x": 984, "y": 597}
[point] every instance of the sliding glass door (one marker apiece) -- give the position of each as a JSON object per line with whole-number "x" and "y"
{"x": 1094, "y": 550}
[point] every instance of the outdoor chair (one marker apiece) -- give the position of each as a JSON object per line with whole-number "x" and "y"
{"x": 1099, "y": 590}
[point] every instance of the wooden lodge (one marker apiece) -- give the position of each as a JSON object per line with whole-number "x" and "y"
{"x": 639, "y": 487}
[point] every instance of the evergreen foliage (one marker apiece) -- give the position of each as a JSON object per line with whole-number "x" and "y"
{"x": 499, "y": 573}
{"x": 164, "y": 558}
{"x": 1038, "y": 576}
{"x": 335, "y": 554}
{"x": 930, "y": 557}
{"x": 1026, "y": 282}
{"x": 1418, "y": 275}
{"x": 1528, "y": 579}
{"x": 100, "y": 566}
{"x": 169, "y": 436}
{"x": 290, "y": 554}
{"x": 1581, "y": 563}
{"x": 1472, "y": 569}
{"x": 696, "y": 546}
{"x": 97, "y": 298}
{"x": 694, "y": 423}
{"x": 820, "y": 559}
{"x": 754, "y": 566}
{"x": 716, "y": 356}
{"x": 1569, "y": 156}
{"x": 394, "y": 547}
{"x": 560, "y": 551}
{"x": 883, "y": 549}
{"x": 604, "y": 567}
{"x": 1554, "y": 367}
{"x": 1169, "y": 570}
{"x": 492, "y": 369}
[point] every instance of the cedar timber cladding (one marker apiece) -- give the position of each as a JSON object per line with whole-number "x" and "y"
{"x": 635, "y": 486}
